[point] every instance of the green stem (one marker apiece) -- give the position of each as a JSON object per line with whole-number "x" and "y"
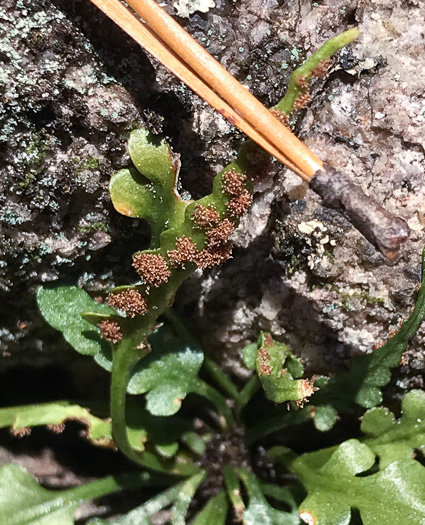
{"x": 183, "y": 500}
{"x": 284, "y": 420}
{"x": 179, "y": 326}
{"x": 329, "y": 48}
{"x": 221, "y": 378}
{"x": 125, "y": 357}
{"x": 234, "y": 491}
{"x": 225, "y": 414}
{"x": 105, "y": 486}
{"x": 248, "y": 391}
{"x": 142, "y": 513}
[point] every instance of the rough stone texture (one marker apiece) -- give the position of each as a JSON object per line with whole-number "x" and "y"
{"x": 72, "y": 86}
{"x": 302, "y": 271}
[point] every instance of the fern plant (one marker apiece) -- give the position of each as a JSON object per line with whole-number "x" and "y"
{"x": 229, "y": 463}
{"x": 364, "y": 473}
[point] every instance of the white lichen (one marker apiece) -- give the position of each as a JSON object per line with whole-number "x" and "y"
{"x": 185, "y": 8}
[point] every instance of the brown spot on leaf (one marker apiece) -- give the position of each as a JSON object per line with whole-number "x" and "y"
{"x": 129, "y": 301}
{"x": 177, "y": 401}
{"x": 239, "y": 205}
{"x": 308, "y": 518}
{"x": 121, "y": 208}
{"x": 110, "y": 331}
{"x": 185, "y": 251}
{"x": 152, "y": 268}
{"x": 205, "y": 216}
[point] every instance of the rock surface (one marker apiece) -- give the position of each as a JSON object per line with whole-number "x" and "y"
{"x": 72, "y": 86}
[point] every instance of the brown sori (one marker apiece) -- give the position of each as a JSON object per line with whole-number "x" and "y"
{"x": 281, "y": 116}
{"x": 205, "y": 216}
{"x": 239, "y": 205}
{"x": 110, "y": 330}
{"x": 233, "y": 182}
{"x": 185, "y": 251}
{"x": 321, "y": 70}
{"x": 129, "y": 301}
{"x": 218, "y": 236}
{"x": 210, "y": 258}
{"x": 302, "y": 101}
{"x": 152, "y": 268}
{"x": 301, "y": 80}
{"x": 264, "y": 362}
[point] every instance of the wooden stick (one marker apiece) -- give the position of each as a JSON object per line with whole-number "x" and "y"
{"x": 212, "y": 72}
{"x": 144, "y": 36}
{"x": 203, "y": 74}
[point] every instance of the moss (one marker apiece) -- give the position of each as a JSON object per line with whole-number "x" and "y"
{"x": 32, "y": 161}
{"x": 330, "y": 256}
{"x": 346, "y": 299}
{"x": 92, "y": 228}
{"x": 86, "y": 163}
{"x": 347, "y": 306}
{"x": 35, "y": 152}
{"x": 30, "y": 178}
{"x": 293, "y": 265}
{"x": 345, "y": 296}
{"x": 90, "y": 163}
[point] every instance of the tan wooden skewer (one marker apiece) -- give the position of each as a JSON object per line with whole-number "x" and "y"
{"x": 238, "y": 97}
{"x": 162, "y": 36}
{"x": 268, "y": 132}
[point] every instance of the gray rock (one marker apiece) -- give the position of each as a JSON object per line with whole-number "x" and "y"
{"x": 73, "y": 86}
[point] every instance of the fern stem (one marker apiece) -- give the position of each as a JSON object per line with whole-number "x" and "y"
{"x": 329, "y": 48}
{"x": 245, "y": 395}
{"x": 277, "y": 423}
{"x": 234, "y": 491}
{"x": 221, "y": 378}
{"x": 219, "y": 401}
{"x": 125, "y": 357}
{"x": 111, "y": 484}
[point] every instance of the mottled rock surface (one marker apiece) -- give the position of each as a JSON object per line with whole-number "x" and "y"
{"x": 72, "y": 86}
{"x": 302, "y": 271}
